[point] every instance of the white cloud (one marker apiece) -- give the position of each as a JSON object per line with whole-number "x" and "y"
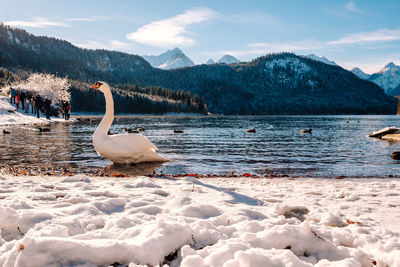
{"x": 118, "y": 44}
{"x": 258, "y": 49}
{"x": 288, "y": 46}
{"x": 89, "y": 19}
{"x": 173, "y": 31}
{"x": 37, "y": 22}
{"x": 381, "y": 35}
{"x": 351, "y": 6}
{"x": 109, "y": 45}
{"x": 367, "y": 40}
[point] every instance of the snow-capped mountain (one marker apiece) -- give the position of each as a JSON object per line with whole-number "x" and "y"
{"x": 388, "y": 78}
{"x": 172, "y": 59}
{"x": 322, "y": 59}
{"x": 228, "y": 59}
{"x": 359, "y": 73}
{"x": 210, "y": 61}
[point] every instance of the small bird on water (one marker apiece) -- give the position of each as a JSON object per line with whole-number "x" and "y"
{"x": 44, "y": 129}
{"x": 306, "y": 131}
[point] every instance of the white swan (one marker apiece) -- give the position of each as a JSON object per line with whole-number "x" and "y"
{"x": 121, "y": 148}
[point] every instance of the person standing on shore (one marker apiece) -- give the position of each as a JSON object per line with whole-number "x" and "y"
{"x": 27, "y": 103}
{"x": 67, "y": 110}
{"x": 47, "y": 108}
{"x": 22, "y": 99}
{"x": 13, "y": 94}
{"x": 63, "y": 109}
{"x": 17, "y": 100}
{"x": 33, "y": 102}
{"x": 38, "y": 105}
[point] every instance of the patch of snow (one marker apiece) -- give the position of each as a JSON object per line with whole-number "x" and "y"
{"x": 210, "y": 62}
{"x": 292, "y": 63}
{"x": 76, "y": 178}
{"x": 388, "y": 78}
{"x": 151, "y": 221}
{"x": 10, "y": 115}
{"x": 228, "y": 59}
{"x": 171, "y": 59}
{"x": 322, "y": 59}
{"x": 360, "y": 74}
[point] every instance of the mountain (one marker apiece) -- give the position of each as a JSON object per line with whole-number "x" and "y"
{"x": 228, "y": 59}
{"x": 388, "y": 78}
{"x": 359, "y": 73}
{"x": 282, "y": 84}
{"x": 273, "y": 84}
{"x": 210, "y": 61}
{"x": 21, "y": 50}
{"x": 172, "y": 59}
{"x": 322, "y": 59}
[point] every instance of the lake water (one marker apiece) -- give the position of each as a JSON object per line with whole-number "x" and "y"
{"x": 220, "y": 145}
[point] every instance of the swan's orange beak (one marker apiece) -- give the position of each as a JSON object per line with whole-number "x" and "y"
{"x": 95, "y": 86}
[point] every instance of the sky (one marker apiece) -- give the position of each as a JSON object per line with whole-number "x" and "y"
{"x": 364, "y": 34}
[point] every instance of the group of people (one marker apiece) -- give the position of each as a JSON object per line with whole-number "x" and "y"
{"x": 37, "y": 103}
{"x": 65, "y": 109}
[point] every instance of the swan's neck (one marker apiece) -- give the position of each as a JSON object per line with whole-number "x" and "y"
{"x": 108, "y": 118}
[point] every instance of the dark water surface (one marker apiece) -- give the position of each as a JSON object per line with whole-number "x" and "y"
{"x": 215, "y": 145}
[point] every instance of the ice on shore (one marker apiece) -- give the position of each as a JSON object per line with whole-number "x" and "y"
{"x": 82, "y": 221}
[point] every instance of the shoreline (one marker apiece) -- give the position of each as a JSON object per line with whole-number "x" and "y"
{"x": 199, "y": 222}
{"x": 10, "y": 115}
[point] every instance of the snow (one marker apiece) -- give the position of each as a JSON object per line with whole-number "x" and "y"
{"x": 171, "y": 59}
{"x": 360, "y": 74}
{"x": 93, "y": 221}
{"x": 10, "y": 115}
{"x": 293, "y": 63}
{"x": 322, "y": 59}
{"x": 388, "y": 78}
{"x": 228, "y": 59}
{"x": 210, "y": 61}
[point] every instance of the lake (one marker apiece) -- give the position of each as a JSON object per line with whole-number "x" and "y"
{"x": 219, "y": 145}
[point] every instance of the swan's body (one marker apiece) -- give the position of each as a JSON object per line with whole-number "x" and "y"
{"x": 121, "y": 148}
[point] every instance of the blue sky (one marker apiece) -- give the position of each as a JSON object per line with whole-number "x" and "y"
{"x": 352, "y": 33}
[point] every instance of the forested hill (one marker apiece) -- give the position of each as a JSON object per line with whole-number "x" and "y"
{"x": 127, "y": 98}
{"x": 273, "y": 84}
{"x": 282, "y": 84}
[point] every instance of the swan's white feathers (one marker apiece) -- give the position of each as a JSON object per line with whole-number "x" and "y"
{"x": 121, "y": 148}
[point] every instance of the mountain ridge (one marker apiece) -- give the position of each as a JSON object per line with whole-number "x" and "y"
{"x": 228, "y": 59}
{"x": 273, "y": 84}
{"x": 322, "y": 59}
{"x": 171, "y": 59}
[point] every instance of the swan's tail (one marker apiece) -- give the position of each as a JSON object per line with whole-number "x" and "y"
{"x": 151, "y": 156}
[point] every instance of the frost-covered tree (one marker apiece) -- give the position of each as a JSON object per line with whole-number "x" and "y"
{"x": 47, "y": 86}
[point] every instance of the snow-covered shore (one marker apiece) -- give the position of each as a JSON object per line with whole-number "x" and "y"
{"x": 10, "y": 115}
{"x": 82, "y": 221}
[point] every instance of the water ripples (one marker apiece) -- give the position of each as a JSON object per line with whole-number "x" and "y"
{"x": 220, "y": 145}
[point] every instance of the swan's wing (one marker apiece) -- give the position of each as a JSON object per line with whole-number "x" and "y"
{"x": 126, "y": 148}
{"x": 133, "y": 142}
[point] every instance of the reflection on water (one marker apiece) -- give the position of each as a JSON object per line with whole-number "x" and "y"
{"x": 144, "y": 168}
{"x": 214, "y": 145}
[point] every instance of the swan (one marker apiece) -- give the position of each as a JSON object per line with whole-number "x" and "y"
{"x": 121, "y": 148}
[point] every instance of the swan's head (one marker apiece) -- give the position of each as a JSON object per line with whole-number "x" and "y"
{"x": 101, "y": 86}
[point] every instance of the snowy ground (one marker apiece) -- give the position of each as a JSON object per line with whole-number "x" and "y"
{"x": 10, "y": 115}
{"x": 82, "y": 221}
